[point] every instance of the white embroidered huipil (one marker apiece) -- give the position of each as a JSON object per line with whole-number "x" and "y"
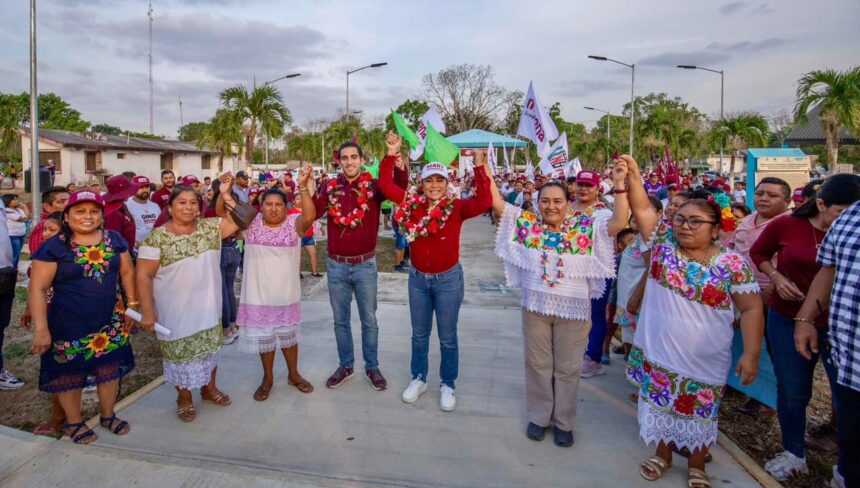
{"x": 584, "y": 248}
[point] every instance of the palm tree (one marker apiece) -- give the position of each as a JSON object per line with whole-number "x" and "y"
{"x": 262, "y": 111}
{"x": 9, "y": 120}
{"x": 837, "y": 96}
{"x": 373, "y": 141}
{"x": 738, "y": 133}
{"x": 221, "y": 133}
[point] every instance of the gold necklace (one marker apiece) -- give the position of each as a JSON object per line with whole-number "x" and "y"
{"x": 706, "y": 261}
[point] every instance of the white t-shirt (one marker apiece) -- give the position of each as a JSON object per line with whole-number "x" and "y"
{"x": 145, "y": 215}
{"x": 15, "y": 227}
{"x": 740, "y": 196}
{"x": 5, "y": 243}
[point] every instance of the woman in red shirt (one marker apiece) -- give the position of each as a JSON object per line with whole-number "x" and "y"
{"x": 795, "y": 240}
{"x": 431, "y": 219}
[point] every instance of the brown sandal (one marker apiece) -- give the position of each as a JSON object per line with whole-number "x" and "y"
{"x": 186, "y": 413}
{"x": 262, "y": 393}
{"x": 220, "y": 398}
{"x": 696, "y": 478}
{"x": 652, "y": 469}
{"x": 302, "y": 385}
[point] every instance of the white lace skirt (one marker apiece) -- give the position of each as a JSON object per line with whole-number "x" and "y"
{"x": 193, "y": 374}
{"x": 266, "y": 339}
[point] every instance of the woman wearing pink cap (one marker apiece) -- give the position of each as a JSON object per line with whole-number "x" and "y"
{"x": 83, "y": 337}
{"x": 431, "y": 220}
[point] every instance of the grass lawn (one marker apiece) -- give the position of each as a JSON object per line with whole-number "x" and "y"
{"x": 384, "y": 256}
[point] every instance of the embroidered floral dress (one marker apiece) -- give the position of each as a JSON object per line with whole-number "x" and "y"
{"x": 682, "y": 350}
{"x": 559, "y": 272}
{"x": 187, "y": 293}
{"x": 270, "y": 304}
{"x": 89, "y": 343}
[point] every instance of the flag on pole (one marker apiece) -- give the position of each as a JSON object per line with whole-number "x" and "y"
{"x": 508, "y": 168}
{"x": 530, "y": 171}
{"x": 555, "y": 162}
{"x": 536, "y": 124}
{"x": 492, "y": 159}
{"x": 403, "y": 129}
{"x": 431, "y": 117}
{"x": 574, "y": 167}
{"x": 438, "y": 149}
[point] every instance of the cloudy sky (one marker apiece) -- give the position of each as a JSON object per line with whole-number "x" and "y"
{"x": 93, "y": 53}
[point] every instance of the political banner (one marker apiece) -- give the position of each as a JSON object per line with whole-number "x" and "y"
{"x": 554, "y": 164}
{"x": 536, "y": 124}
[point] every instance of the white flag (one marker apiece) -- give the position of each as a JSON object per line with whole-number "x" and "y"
{"x": 536, "y": 124}
{"x": 574, "y": 167}
{"x": 430, "y": 117}
{"x": 530, "y": 171}
{"x": 555, "y": 163}
{"x": 492, "y": 160}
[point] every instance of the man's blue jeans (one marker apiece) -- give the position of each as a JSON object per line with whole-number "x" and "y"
{"x": 443, "y": 294}
{"x": 230, "y": 259}
{"x": 794, "y": 377}
{"x": 344, "y": 280}
{"x": 848, "y": 433}
{"x": 598, "y": 325}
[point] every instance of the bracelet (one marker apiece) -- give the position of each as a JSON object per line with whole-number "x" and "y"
{"x": 619, "y": 192}
{"x": 134, "y": 304}
{"x": 772, "y": 274}
{"x": 801, "y": 319}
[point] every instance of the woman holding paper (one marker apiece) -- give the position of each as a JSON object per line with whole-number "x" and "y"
{"x": 179, "y": 278}
{"x": 83, "y": 337}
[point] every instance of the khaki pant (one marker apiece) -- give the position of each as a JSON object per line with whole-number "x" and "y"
{"x": 553, "y": 360}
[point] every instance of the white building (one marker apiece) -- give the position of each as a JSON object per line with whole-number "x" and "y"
{"x": 82, "y": 157}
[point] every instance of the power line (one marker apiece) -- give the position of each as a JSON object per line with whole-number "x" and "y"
{"x": 151, "y": 93}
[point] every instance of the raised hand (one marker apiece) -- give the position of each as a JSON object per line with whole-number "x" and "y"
{"x": 619, "y": 172}
{"x": 393, "y": 143}
{"x": 480, "y": 157}
{"x": 306, "y": 178}
{"x": 632, "y": 165}
{"x": 226, "y": 182}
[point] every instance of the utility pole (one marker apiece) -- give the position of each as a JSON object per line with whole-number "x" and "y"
{"x": 35, "y": 169}
{"x": 151, "y": 92}
{"x": 181, "y": 119}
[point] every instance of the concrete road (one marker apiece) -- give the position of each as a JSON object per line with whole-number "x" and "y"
{"x": 355, "y": 436}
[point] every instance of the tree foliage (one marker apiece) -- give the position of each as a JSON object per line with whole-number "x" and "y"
{"x": 261, "y": 110}
{"x": 191, "y": 131}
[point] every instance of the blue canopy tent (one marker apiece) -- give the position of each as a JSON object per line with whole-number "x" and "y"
{"x": 480, "y": 139}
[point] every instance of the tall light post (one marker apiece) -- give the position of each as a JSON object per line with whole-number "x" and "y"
{"x": 292, "y": 75}
{"x": 722, "y": 91}
{"x": 608, "y": 119}
{"x": 632, "y": 95}
{"x": 349, "y": 72}
{"x": 34, "y": 121}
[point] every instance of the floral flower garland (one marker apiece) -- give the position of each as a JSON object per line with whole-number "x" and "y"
{"x": 94, "y": 259}
{"x": 434, "y": 218}
{"x": 354, "y": 217}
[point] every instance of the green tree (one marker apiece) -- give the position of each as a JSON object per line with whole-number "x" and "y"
{"x": 110, "y": 130}
{"x": 262, "y": 112}
{"x": 9, "y": 122}
{"x": 373, "y": 142}
{"x": 222, "y": 133}
{"x": 411, "y": 111}
{"x": 738, "y": 133}
{"x": 837, "y": 96}
{"x": 191, "y": 131}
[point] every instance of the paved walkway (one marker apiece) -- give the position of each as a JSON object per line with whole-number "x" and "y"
{"x": 355, "y": 436}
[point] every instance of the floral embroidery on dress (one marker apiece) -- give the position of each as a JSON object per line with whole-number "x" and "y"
{"x": 109, "y": 338}
{"x": 197, "y": 345}
{"x": 282, "y": 236}
{"x": 710, "y": 284}
{"x": 94, "y": 259}
{"x": 671, "y": 393}
{"x": 175, "y": 248}
{"x": 575, "y": 236}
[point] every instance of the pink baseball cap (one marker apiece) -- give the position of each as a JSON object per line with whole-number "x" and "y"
{"x": 141, "y": 181}
{"x": 189, "y": 180}
{"x": 588, "y": 177}
{"x": 797, "y": 196}
{"x": 85, "y": 196}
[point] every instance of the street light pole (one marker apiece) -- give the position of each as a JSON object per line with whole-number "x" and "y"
{"x": 632, "y": 91}
{"x": 265, "y": 134}
{"x": 722, "y": 98}
{"x": 34, "y": 121}
{"x": 349, "y": 72}
{"x": 608, "y": 125}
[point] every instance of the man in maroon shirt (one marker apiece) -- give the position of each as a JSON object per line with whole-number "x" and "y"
{"x": 168, "y": 181}
{"x": 289, "y": 187}
{"x": 352, "y": 202}
{"x": 117, "y": 217}
{"x": 53, "y": 200}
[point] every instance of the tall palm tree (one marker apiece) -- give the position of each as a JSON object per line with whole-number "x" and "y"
{"x": 262, "y": 112}
{"x": 222, "y": 132}
{"x": 738, "y": 133}
{"x": 837, "y": 96}
{"x": 373, "y": 141}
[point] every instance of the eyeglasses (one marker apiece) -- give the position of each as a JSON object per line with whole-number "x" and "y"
{"x": 693, "y": 222}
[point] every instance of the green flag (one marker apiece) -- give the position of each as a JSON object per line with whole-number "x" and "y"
{"x": 438, "y": 149}
{"x": 404, "y": 130}
{"x": 372, "y": 168}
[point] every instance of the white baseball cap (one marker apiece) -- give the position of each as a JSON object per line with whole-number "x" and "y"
{"x": 431, "y": 169}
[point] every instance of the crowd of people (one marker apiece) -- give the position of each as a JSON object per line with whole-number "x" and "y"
{"x": 680, "y": 266}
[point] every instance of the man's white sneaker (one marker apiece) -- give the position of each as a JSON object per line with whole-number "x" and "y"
{"x": 786, "y": 465}
{"x": 8, "y": 381}
{"x": 447, "y": 401}
{"x": 415, "y": 389}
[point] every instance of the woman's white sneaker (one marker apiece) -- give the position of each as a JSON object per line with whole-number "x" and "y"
{"x": 415, "y": 389}
{"x": 447, "y": 401}
{"x": 786, "y": 465}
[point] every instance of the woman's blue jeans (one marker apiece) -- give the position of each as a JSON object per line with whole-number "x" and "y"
{"x": 794, "y": 377}
{"x": 230, "y": 259}
{"x": 441, "y": 294}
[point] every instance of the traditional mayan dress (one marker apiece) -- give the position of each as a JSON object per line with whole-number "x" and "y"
{"x": 270, "y": 305}
{"x": 90, "y": 343}
{"x": 682, "y": 350}
{"x": 559, "y": 272}
{"x": 187, "y": 292}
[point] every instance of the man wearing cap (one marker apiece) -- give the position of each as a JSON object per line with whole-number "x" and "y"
{"x": 168, "y": 181}
{"x": 242, "y": 188}
{"x": 352, "y": 204}
{"x": 143, "y": 211}
{"x": 117, "y": 216}
{"x": 193, "y": 182}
